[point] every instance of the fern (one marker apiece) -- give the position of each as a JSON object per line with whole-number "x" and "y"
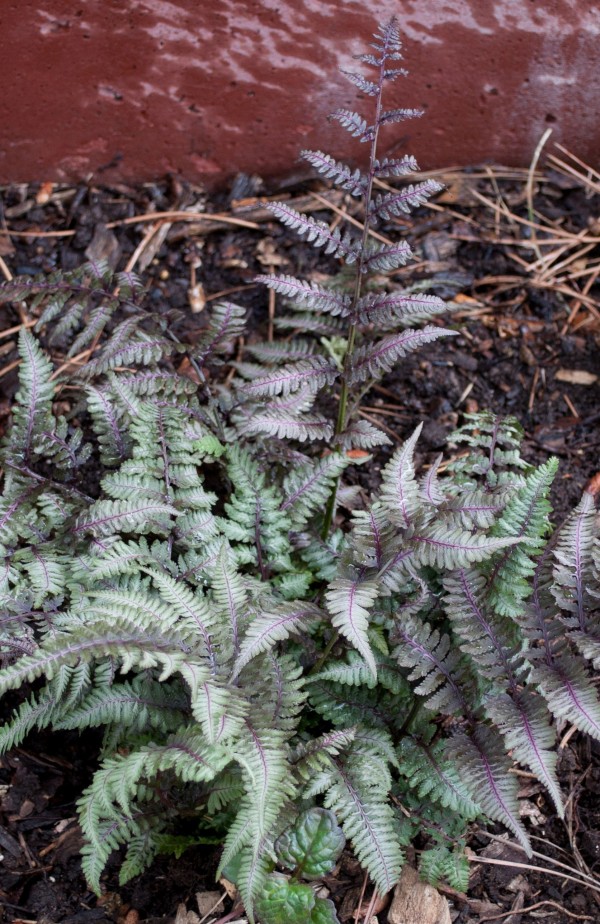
{"x": 187, "y": 567}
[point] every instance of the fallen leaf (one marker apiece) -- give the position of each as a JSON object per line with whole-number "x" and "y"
{"x": 576, "y": 376}
{"x": 44, "y": 192}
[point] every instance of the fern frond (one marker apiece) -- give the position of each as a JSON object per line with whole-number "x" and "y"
{"x": 401, "y": 201}
{"x": 526, "y": 517}
{"x": 353, "y": 123}
{"x": 107, "y": 517}
{"x": 307, "y": 487}
{"x": 286, "y": 427}
{"x": 572, "y": 572}
{"x": 399, "y": 492}
{"x": 388, "y": 167}
{"x": 524, "y": 723}
{"x": 373, "y": 360}
{"x": 484, "y": 768}
{"x": 359, "y": 799}
{"x": 446, "y": 548}
{"x": 310, "y": 295}
{"x": 266, "y": 630}
{"x": 348, "y": 602}
{"x": 227, "y": 322}
{"x": 342, "y": 176}
{"x": 399, "y": 115}
{"x": 316, "y": 232}
{"x": 32, "y": 411}
{"x": 385, "y": 258}
{"x": 367, "y": 86}
{"x": 313, "y": 372}
{"x": 385, "y": 307}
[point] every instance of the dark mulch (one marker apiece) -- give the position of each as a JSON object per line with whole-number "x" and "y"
{"x": 528, "y": 346}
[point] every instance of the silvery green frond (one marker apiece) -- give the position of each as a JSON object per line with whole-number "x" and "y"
{"x": 524, "y": 722}
{"x": 361, "y": 434}
{"x": 349, "y": 601}
{"x": 484, "y": 768}
{"x": 573, "y": 570}
{"x": 399, "y": 492}
{"x": 280, "y": 352}
{"x": 342, "y": 175}
{"x": 307, "y": 487}
{"x": 287, "y": 427}
{"x": 446, "y": 547}
{"x": 32, "y": 411}
{"x": 266, "y": 630}
{"x": 306, "y": 323}
{"x": 227, "y": 322}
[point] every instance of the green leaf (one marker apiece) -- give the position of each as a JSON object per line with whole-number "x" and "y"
{"x": 285, "y": 902}
{"x": 324, "y": 912}
{"x": 312, "y": 846}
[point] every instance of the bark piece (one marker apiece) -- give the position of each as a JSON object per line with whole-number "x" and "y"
{"x": 415, "y": 902}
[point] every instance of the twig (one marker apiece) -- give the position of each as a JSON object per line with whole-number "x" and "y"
{"x": 561, "y": 908}
{"x": 529, "y": 186}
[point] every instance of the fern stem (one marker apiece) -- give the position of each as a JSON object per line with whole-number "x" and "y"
{"x": 342, "y": 417}
{"x": 325, "y": 654}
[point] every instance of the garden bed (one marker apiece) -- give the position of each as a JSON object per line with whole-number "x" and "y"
{"x": 517, "y": 255}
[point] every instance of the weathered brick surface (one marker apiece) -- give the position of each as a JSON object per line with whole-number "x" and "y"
{"x": 206, "y": 88}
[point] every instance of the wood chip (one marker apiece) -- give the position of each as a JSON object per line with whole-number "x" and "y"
{"x": 208, "y": 902}
{"x": 576, "y": 376}
{"x": 415, "y": 902}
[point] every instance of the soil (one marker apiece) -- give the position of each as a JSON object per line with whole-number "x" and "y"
{"x": 524, "y": 301}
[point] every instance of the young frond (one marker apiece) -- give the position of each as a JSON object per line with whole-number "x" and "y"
{"x": 526, "y": 517}
{"x": 316, "y": 232}
{"x": 434, "y": 777}
{"x": 399, "y": 492}
{"x": 375, "y": 359}
{"x": 227, "y": 322}
{"x": 342, "y": 176}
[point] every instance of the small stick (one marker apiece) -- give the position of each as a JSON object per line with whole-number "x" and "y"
{"x": 529, "y": 186}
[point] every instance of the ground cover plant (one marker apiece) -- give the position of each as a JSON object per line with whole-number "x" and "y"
{"x": 170, "y": 575}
